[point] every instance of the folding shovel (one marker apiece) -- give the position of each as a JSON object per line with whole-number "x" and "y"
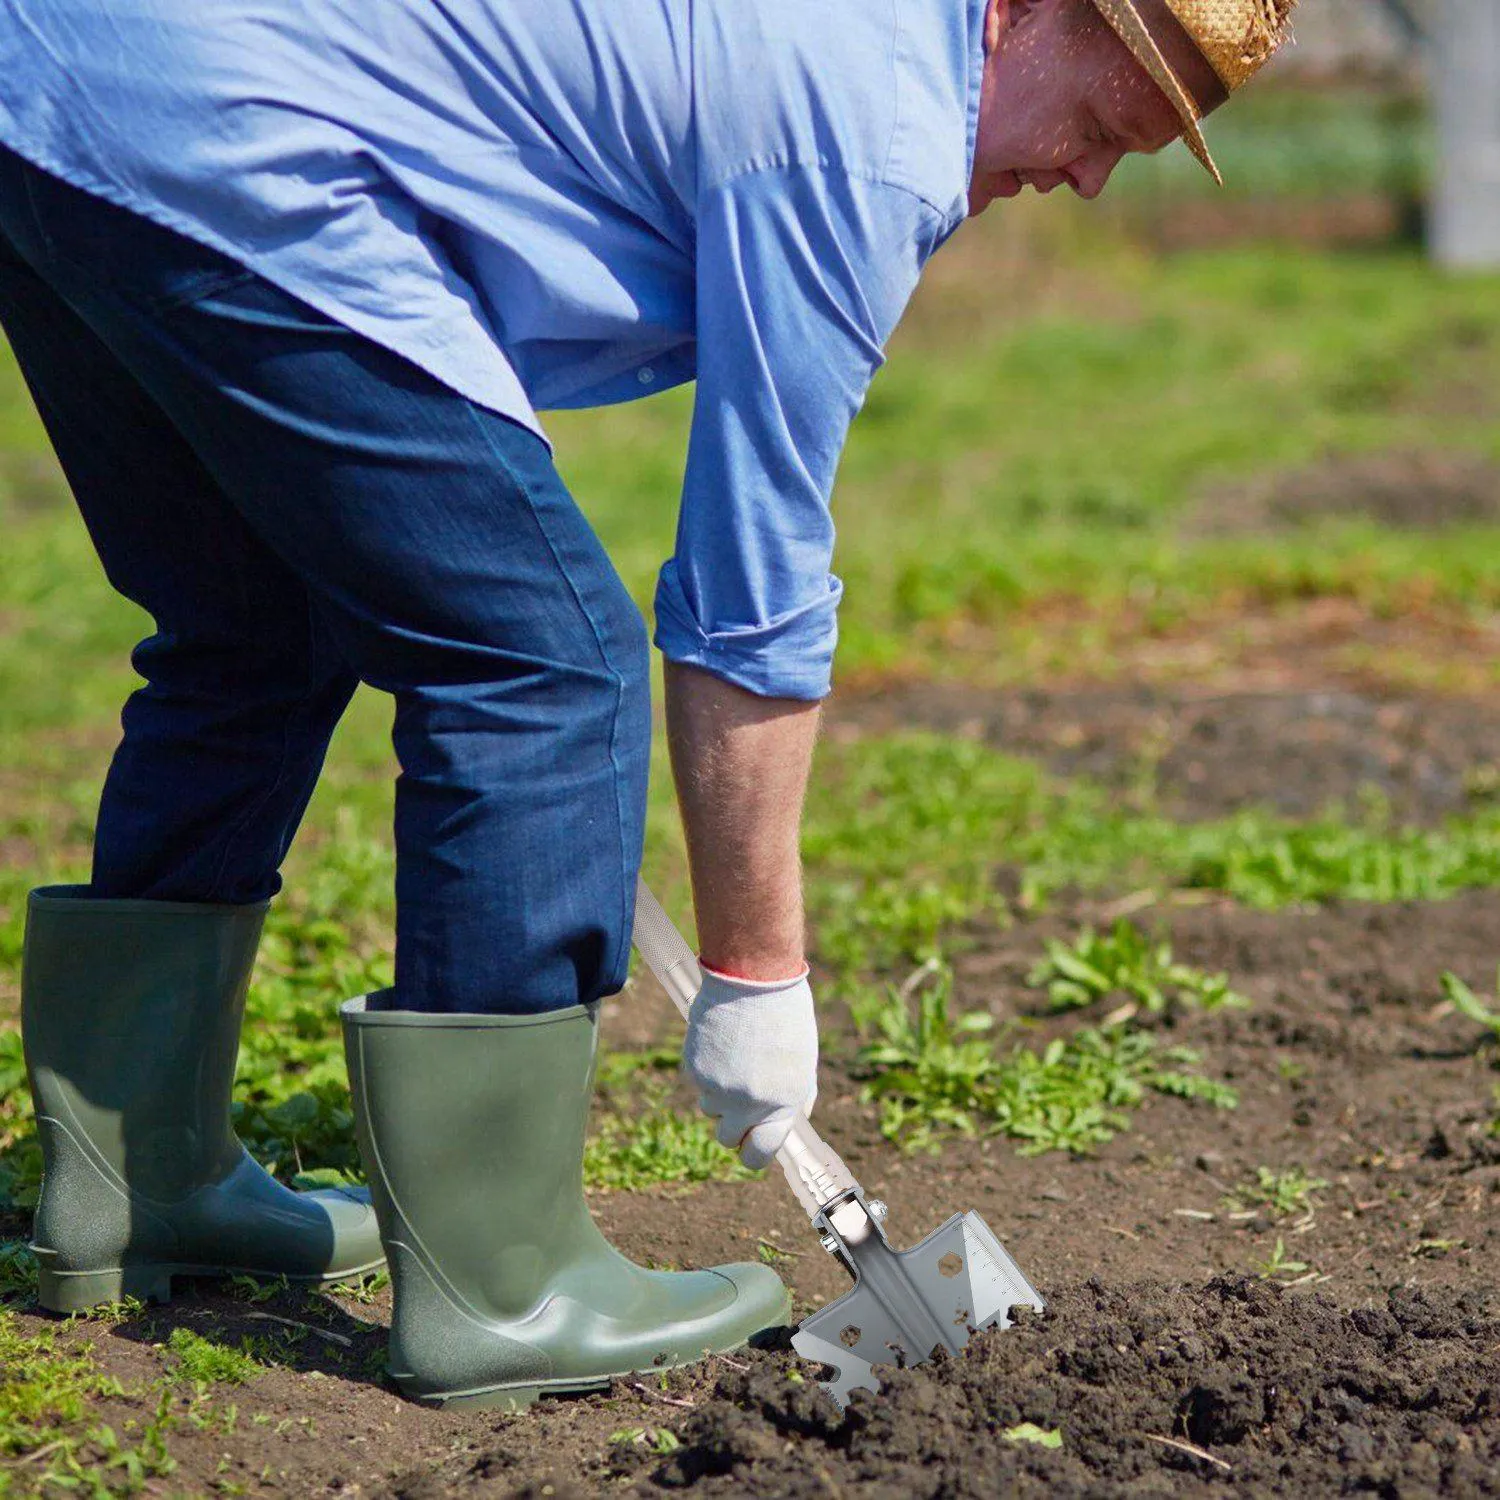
{"x": 905, "y": 1304}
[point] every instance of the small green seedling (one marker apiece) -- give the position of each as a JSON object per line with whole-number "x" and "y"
{"x": 246, "y": 1288}
{"x": 365, "y": 1290}
{"x": 1278, "y": 1266}
{"x": 1281, "y": 1194}
{"x": 1029, "y": 1432}
{"x": 1468, "y": 1004}
{"x": 659, "y": 1440}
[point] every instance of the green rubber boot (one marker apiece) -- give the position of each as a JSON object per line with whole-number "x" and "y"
{"x": 130, "y": 1016}
{"x": 472, "y": 1130}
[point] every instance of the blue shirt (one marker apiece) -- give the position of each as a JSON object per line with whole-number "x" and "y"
{"x": 552, "y": 203}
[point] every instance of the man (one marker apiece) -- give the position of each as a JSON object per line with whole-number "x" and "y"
{"x": 288, "y": 282}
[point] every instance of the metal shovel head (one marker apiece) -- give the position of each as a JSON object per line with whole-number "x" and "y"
{"x": 907, "y": 1303}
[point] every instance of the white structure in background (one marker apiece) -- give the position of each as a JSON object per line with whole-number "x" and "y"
{"x": 1466, "y": 92}
{"x": 1362, "y": 36}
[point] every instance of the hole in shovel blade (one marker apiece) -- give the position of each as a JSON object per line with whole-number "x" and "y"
{"x": 850, "y": 1336}
{"x": 950, "y": 1265}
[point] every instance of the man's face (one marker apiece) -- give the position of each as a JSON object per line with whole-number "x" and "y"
{"x": 1063, "y": 101}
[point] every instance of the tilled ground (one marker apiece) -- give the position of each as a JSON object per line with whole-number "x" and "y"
{"x": 1158, "y": 1389}
{"x": 1379, "y": 1372}
{"x": 1205, "y": 754}
{"x": 1164, "y": 1361}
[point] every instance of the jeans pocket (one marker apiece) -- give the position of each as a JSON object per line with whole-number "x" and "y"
{"x": 192, "y": 273}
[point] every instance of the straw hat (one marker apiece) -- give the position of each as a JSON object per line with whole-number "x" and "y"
{"x": 1237, "y": 37}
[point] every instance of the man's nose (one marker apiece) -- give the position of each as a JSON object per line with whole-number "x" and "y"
{"x": 1091, "y": 171}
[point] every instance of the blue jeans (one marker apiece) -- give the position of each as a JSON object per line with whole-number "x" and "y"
{"x": 300, "y": 510}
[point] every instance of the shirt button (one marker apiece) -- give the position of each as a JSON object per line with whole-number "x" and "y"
{"x": 645, "y": 374}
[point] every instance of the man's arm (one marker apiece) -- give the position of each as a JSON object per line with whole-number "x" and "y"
{"x": 741, "y": 763}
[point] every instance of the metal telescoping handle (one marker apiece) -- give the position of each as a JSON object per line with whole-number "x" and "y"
{"x": 813, "y": 1169}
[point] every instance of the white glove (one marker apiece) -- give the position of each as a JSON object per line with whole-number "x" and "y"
{"x": 752, "y": 1050}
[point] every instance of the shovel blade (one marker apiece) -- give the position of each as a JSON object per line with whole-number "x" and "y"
{"x": 961, "y": 1279}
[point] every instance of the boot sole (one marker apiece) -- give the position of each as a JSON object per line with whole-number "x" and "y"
{"x": 517, "y": 1398}
{"x": 514, "y": 1398}
{"x": 69, "y": 1292}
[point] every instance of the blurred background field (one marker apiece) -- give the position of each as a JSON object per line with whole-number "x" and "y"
{"x": 1150, "y": 438}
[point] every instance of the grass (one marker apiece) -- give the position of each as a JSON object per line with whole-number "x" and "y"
{"x": 655, "y": 1142}
{"x": 49, "y": 1395}
{"x": 204, "y": 1362}
{"x": 641, "y": 1137}
{"x": 905, "y": 835}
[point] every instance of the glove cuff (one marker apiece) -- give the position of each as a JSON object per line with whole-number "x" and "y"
{"x": 735, "y": 984}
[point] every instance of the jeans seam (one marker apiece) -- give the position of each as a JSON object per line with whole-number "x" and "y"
{"x": 627, "y": 896}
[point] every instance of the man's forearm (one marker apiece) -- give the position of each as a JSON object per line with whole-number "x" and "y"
{"x": 741, "y": 763}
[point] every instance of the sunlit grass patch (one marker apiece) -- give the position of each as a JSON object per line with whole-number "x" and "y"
{"x": 48, "y": 1423}
{"x": 641, "y": 1137}
{"x": 907, "y": 837}
{"x": 656, "y": 1142}
{"x": 206, "y": 1362}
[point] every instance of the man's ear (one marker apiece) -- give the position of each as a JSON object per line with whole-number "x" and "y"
{"x": 996, "y": 20}
{"x": 1001, "y": 15}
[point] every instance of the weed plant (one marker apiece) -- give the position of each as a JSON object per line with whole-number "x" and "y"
{"x": 932, "y": 1073}
{"x": 1279, "y": 1193}
{"x": 1124, "y": 965}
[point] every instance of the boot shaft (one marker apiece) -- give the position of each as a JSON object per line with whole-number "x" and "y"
{"x": 130, "y": 1019}
{"x": 472, "y": 1131}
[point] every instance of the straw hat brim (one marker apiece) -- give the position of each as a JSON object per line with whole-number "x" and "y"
{"x": 1130, "y": 26}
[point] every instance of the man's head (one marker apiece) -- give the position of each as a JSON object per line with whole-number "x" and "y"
{"x": 1066, "y": 95}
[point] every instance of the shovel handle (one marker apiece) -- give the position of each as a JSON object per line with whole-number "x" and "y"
{"x": 813, "y": 1169}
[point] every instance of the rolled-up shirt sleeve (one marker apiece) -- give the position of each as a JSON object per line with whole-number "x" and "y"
{"x": 802, "y": 273}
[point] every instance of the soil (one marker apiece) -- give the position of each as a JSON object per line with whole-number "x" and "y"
{"x": 1380, "y": 1372}
{"x": 1415, "y": 489}
{"x": 1204, "y": 755}
{"x": 1165, "y": 1360}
